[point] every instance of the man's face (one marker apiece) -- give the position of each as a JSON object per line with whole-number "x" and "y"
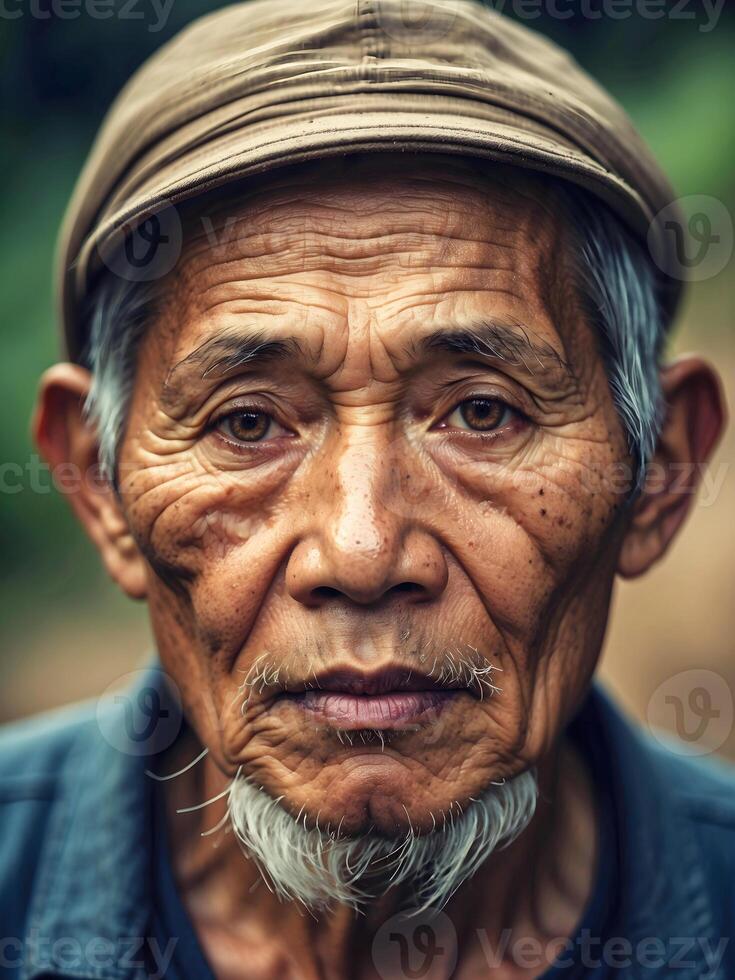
{"x": 362, "y": 462}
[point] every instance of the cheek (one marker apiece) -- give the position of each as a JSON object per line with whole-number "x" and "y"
{"x": 213, "y": 543}
{"x": 213, "y": 536}
{"x": 535, "y": 551}
{"x": 518, "y": 550}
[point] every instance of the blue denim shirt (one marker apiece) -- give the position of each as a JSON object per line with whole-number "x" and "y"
{"x": 75, "y": 843}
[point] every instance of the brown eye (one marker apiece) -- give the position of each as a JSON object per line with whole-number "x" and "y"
{"x": 480, "y": 414}
{"x": 245, "y": 426}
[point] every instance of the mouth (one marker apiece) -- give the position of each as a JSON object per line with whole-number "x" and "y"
{"x": 390, "y": 699}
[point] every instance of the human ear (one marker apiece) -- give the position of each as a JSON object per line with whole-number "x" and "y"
{"x": 68, "y": 443}
{"x": 694, "y": 420}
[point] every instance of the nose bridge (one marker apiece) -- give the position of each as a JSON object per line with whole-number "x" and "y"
{"x": 361, "y": 525}
{"x": 362, "y": 544}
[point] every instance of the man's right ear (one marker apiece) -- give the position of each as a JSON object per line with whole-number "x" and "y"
{"x": 68, "y": 443}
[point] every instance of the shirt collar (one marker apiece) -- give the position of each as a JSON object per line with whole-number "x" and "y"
{"x": 91, "y": 904}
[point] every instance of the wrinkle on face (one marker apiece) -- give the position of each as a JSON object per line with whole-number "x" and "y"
{"x": 356, "y": 310}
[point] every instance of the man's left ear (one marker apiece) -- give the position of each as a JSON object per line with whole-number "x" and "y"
{"x": 694, "y": 420}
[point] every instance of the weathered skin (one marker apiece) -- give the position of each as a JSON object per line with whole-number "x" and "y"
{"x": 370, "y": 525}
{"x": 357, "y": 487}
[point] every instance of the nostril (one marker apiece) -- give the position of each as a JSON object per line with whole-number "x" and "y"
{"x": 410, "y": 587}
{"x": 325, "y": 592}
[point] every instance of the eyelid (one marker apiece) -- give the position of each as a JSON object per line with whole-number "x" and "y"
{"x": 248, "y": 403}
{"x": 502, "y": 398}
{"x": 458, "y": 388}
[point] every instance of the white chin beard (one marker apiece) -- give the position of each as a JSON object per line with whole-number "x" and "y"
{"x": 319, "y": 868}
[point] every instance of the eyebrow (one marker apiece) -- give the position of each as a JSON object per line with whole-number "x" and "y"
{"x": 227, "y": 352}
{"x": 505, "y": 340}
{"x": 220, "y": 356}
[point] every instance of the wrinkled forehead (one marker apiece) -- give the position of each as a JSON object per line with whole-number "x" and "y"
{"x": 397, "y": 232}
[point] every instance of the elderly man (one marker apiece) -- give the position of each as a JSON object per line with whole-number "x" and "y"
{"x": 366, "y": 397}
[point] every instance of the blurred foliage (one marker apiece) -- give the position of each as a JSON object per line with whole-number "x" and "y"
{"x": 59, "y": 75}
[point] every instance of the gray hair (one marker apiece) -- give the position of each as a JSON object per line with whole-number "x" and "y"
{"x": 618, "y": 286}
{"x": 320, "y": 866}
{"x": 613, "y": 275}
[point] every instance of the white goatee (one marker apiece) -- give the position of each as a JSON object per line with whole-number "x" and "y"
{"x": 319, "y": 867}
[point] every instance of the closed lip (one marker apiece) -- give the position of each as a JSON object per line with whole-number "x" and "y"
{"x": 391, "y": 698}
{"x": 388, "y": 680}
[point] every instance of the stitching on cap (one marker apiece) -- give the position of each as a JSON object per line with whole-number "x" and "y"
{"x": 371, "y": 37}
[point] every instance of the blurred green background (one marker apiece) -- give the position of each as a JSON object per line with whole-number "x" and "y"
{"x": 66, "y": 632}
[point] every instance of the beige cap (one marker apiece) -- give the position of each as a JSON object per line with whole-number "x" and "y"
{"x": 266, "y": 83}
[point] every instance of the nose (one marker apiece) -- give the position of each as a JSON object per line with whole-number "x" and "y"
{"x": 365, "y": 544}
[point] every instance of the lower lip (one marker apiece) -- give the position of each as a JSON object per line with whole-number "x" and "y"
{"x": 379, "y": 711}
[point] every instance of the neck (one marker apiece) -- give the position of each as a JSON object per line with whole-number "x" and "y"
{"x": 534, "y": 889}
